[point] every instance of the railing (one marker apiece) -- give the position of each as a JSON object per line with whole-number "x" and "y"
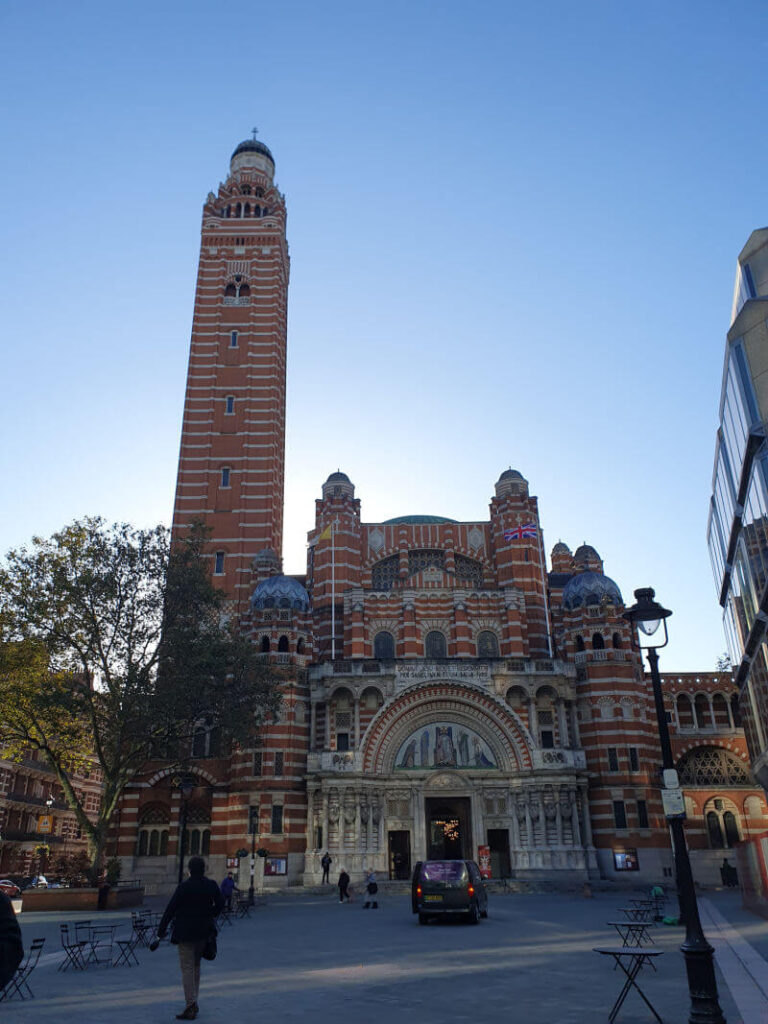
{"x": 375, "y": 666}
{"x": 12, "y": 835}
{"x": 335, "y": 761}
{"x": 605, "y": 655}
{"x": 38, "y": 801}
{"x": 557, "y": 757}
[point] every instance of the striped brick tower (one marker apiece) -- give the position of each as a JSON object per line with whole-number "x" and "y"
{"x": 232, "y": 459}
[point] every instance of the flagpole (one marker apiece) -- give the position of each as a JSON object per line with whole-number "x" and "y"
{"x": 544, "y": 591}
{"x": 333, "y": 591}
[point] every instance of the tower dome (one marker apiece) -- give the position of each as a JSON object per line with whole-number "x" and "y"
{"x": 253, "y": 154}
{"x": 511, "y": 481}
{"x": 585, "y": 559}
{"x": 588, "y": 588}
{"x": 280, "y": 592}
{"x": 338, "y": 483}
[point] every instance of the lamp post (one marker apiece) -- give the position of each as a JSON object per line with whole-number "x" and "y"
{"x": 649, "y": 618}
{"x": 185, "y": 785}
{"x": 252, "y": 826}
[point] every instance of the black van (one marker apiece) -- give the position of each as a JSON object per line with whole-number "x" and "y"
{"x": 448, "y": 887}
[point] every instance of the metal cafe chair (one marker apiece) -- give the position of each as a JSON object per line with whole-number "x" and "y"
{"x": 20, "y": 980}
{"x": 74, "y": 952}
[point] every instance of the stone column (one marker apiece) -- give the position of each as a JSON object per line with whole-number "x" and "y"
{"x": 342, "y": 822}
{"x": 311, "y": 834}
{"x": 327, "y": 726}
{"x": 528, "y": 822}
{"x": 730, "y": 714}
{"x": 562, "y": 723}
{"x": 574, "y": 723}
{"x": 558, "y": 819}
{"x": 515, "y": 822}
{"x": 533, "y": 720}
{"x": 326, "y": 836}
{"x": 542, "y": 817}
{"x": 575, "y": 828}
{"x": 585, "y": 820}
{"x": 357, "y": 722}
{"x": 312, "y": 724}
{"x": 358, "y": 824}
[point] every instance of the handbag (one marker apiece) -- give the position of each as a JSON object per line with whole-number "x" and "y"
{"x": 209, "y": 950}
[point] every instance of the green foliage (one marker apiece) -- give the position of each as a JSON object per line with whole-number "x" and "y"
{"x": 112, "y": 646}
{"x": 113, "y": 869}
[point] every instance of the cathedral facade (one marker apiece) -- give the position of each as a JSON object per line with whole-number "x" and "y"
{"x": 448, "y": 690}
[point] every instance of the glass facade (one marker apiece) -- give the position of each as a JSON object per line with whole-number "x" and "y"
{"x": 741, "y": 527}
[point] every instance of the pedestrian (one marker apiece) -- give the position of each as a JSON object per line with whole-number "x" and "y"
{"x": 343, "y": 886}
{"x": 371, "y": 890}
{"x": 192, "y": 912}
{"x": 11, "y": 948}
{"x": 227, "y": 888}
{"x": 326, "y": 865}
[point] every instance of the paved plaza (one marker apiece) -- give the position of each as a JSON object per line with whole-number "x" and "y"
{"x": 306, "y": 958}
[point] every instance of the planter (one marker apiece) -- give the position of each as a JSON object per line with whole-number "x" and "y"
{"x": 80, "y": 899}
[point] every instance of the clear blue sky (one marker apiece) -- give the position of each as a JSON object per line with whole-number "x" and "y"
{"x": 513, "y": 231}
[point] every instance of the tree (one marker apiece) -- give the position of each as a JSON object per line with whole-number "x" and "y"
{"x": 112, "y": 649}
{"x": 723, "y": 663}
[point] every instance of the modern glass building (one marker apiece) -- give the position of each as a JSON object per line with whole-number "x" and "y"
{"x": 737, "y": 529}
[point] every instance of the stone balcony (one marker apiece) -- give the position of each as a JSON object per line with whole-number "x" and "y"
{"x": 558, "y": 758}
{"x": 335, "y": 761}
{"x": 437, "y": 668}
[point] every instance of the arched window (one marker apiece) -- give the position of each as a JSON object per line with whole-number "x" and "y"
{"x": 239, "y": 210}
{"x": 229, "y": 211}
{"x": 143, "y": 838}
{"x": 714, "y": 831}
{"x": 703, "y": 715}
{"x": 579, "y": 642}
{"x": 684, "y": 711}
{"x": 712, "y": 766}
{"x": 265, "y": 645}
{"x": 384, "y": 646}
{"x": 384, "y": 573}
{"x": 616, "y": 641}
{"x": 300, "y": 645}
{"x": 230, "y": 291}
{"x": 257, "y": 210}
{"x": 731, "y": 829}
{"x": 720, "y": 708}
{"x": 598, "y": 644}
{"x": 487, "y": 644}
{"x": 434, "y": 645}
{"x": 735, "y": 710}
{"x": 244, "y": 290}
{"x": 245, "y": 190}
{"x": 202, "y": 738}
{"x": 282, "y": 645}
{"x": 265, "y": 212}
{"x": 259, "y": 191}
{"x": 247, "y": 210}
{"x": 154, "y": 843}
{"x": 153, "y": 831}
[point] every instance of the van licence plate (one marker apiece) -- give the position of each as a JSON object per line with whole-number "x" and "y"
{"x": 433, "y": 899}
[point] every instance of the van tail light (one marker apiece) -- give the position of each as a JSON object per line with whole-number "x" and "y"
{"x": 471, "y": 890}
{"x": 418, "y": 890}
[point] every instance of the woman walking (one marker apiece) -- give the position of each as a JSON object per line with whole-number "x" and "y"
{"x": 192, "y": 913}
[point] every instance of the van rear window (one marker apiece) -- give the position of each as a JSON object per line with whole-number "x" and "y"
{"x": 444, "y": 871}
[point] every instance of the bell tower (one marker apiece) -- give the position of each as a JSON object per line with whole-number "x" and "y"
{"x": 232, "y": 458}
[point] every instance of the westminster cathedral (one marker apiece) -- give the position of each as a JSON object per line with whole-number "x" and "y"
{"x": 449, "y": 689}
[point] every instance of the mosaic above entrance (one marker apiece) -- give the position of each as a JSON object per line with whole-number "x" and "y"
{"x": 444, "y": 745}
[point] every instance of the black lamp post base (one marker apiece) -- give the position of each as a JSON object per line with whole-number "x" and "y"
{"x": 702, "y": 985}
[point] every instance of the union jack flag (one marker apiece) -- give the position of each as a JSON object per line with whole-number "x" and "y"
{"x": 521, "y": 532}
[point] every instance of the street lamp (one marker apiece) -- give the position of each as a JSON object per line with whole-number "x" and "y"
{"x": 649, "y": 619}
{"x": 185, "y": 785}
{"x": 252, "y": 827}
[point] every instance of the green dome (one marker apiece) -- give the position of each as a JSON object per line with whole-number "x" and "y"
{"x": 417, "y": 520}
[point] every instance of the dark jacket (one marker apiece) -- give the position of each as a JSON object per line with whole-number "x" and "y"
{"x": 193, "y": 908}
{"x": 343, "y": 881}
{"x": 11, "y": 948}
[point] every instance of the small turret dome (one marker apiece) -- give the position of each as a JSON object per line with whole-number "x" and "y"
{"x": 511, "y": 481}
{"x": 338, "y": 483}
{"x": 253, "y": 155}
{"x": 280, "y": 592}
{"x": 585, "y": 553}
{"x": 561, "y": 549}
{"x": 588, "y": 588}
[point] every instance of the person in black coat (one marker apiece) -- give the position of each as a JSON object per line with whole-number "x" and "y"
{"x": 11, "y": 948}
{"x": 192, "y": 914}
